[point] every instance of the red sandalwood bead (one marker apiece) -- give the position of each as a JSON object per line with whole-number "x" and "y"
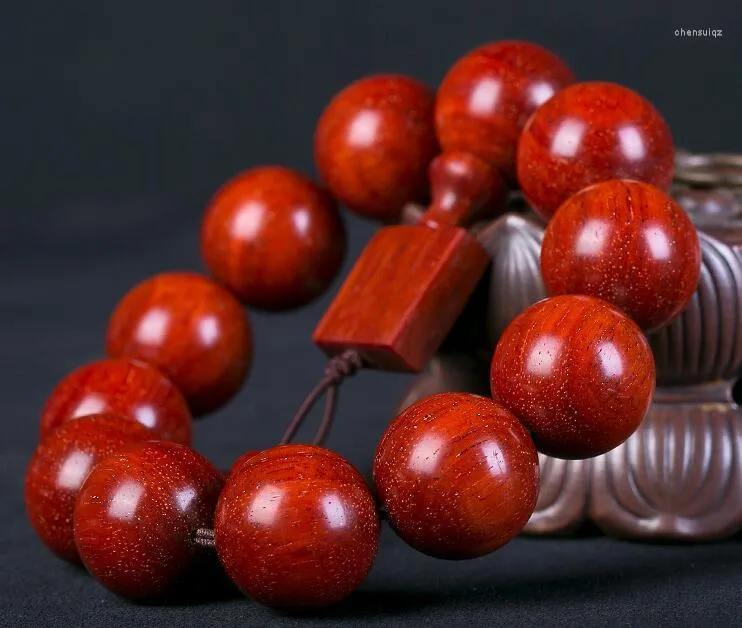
{"x": 627, "y": 243}
{"x": 137, "y": 513}
{"x": 274, "y": 238}
{"x": 190, "y": 328}
{"x": 487, "y": 96}
{"x": 59, "y": 467}
{"x": 591, "y": 132}
{"x": 296, "y": 527}
{"x": 373, "y": 144}
{"x": 464, "y": 190}
{"x": 457, "y": 474}
{"x": 236, "y": 467}
{"x": 577, "y": 371}
{"x": 128, "y": 388}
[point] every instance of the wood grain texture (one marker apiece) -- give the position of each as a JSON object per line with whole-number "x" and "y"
{"x": 487, "y": 96}
{"x": 457, "y": 475}
{"x": 273, "y": 237}
{"x": 191, "y": 329}
{"x": 578, "y": 373}
{"x": 403, "y": 296}
{"x": 374, "y": 142}
{"x": 628, "y": 243}
{"x": 127, "y": 388}
{"x": 137, "y": 513}
{"x": 60, "y": 465}
{"x": 591, "y": 132}
{"x": 297, "y": 527}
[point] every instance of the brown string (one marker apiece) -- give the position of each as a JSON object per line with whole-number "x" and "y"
{"x": 337, "y": 369}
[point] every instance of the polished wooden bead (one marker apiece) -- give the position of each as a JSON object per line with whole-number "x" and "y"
{"x": 60, "y": 465}
{"x": 190, "y": 328}
{"x": 628, "y": 243}
{"x": 374, "y": 142}
{"x": 274, "y": 238}
{"x": 577, "y": 372}
{"x": 128, "y": 388}
{"x": 457, "y": 474}
{"x": 297, "y": 527}
{"x": 487, "y": 96}
{"x": 137, "y": 513}
{"x": 591, "y": 132}
{"x": 464, "y": 191}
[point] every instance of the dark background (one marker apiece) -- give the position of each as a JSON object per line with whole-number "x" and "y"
{"x": 119, "y": 119}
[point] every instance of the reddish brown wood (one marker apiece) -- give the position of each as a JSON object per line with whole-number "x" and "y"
{"x": 403, "y": 296}
{"x": 128, "y": 388}
{"x": 236, "y": 467}
{"x": 374, "y": 142}
{"x": 412, "y": 281}
{"x": 297, "y": 527}
{"x": 628, "y": 243}
{"x": 464, "y": 190}
{"x": 273, "y": 237}
{"x": 487, "y": 96}
{"x": 577, "y": 371}
{"x": 591, "y": 132}
{"x": 457, "y": 475}
{"x": 137, "y": 513}
{"x": 60, "y": 465}
{"x": 190, "y": 328}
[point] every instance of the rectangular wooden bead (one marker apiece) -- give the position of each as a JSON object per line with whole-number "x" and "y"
{"x": 403, "y": 296}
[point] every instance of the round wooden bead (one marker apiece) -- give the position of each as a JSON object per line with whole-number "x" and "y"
{"x": 577, "y": 372}
{"x": 457, "y": 475}
{"x": 487, "y": 96}
{"x": 274, "y": 238}
{"x": 137, "y": 513}
{"x": 59, "y": 467}
{"x": 127, "y": 388}
{"x": 591, "y": 132}
{"x": 627, "y": 243}
{"x": 296, "y": 527}
{"x": 373, "y": 144}
{"x": 190, "y": 328}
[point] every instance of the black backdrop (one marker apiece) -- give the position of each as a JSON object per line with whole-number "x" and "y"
{"x": 119, "y": 119}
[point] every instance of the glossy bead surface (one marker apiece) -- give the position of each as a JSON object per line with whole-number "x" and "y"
{"x": 457, "y": 474}
{"x": 464, "y": 190}
{"x": 136, "y": 516}
{"x": 128, "y": 388}
{"x": 487, "y": 96}
{"x": 59, "y": 467}
{"x": 190, "y": 328}
{"x": 273, "y": 237}
{"x": 374, "y": 142}
{"x": 591, "y": 132}
{"x": 627, "y": 243}
{"x": 297, "y": 527}
{"x": 577, "y": 372}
